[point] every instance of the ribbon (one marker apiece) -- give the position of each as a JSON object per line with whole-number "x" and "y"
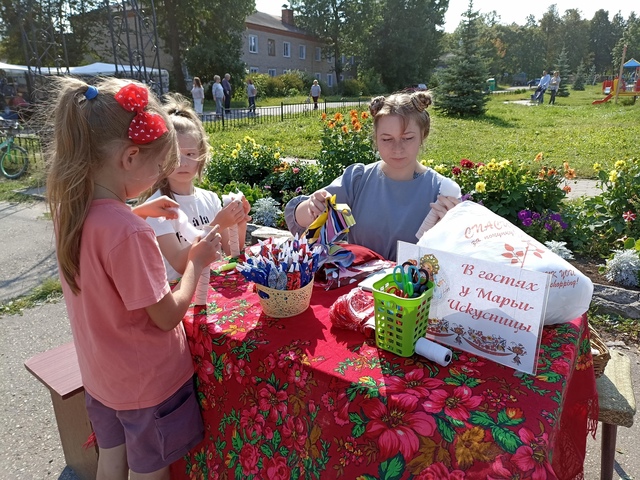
{"x": 146, "y": 126}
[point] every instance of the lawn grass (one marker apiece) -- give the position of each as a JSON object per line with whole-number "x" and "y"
{"x": 572, "y": 130}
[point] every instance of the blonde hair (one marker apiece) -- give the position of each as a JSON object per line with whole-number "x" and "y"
{"x": 185, "y": 121}
{"x": 407, "y": 106}
{"x": 85, "y": 133}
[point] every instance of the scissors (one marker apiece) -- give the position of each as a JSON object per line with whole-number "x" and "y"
{"x": 407, "y": 278}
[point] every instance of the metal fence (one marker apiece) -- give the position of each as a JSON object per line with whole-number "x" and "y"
{"x": 240, "y": 117}
{"x": 29, "y": 141}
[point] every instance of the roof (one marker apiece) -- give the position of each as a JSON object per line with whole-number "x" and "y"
{"x": 271, "y": 21}
{"x": 633, "y": 63}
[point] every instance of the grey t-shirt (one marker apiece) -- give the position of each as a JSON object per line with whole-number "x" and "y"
{"x": 385, "y": 210}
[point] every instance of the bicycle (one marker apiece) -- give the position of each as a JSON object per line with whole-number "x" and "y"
{"x": 14, "y": 161}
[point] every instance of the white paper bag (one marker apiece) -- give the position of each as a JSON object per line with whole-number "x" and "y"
{"x": 475, "y": 231}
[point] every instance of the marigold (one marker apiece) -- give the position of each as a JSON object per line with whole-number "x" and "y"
{"x": 364, "y": 115}
{"x": 345, "y": 129}
{"x": 323, "y": 116}
{"x": 481, "y": 187}
{"x": 331, "y": 124}
{"x": 353, "y": 113}
{"x": 357, "y": 126}
{"x": 338, "y": 117}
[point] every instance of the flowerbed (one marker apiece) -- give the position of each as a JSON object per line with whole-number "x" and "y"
{"x": 529, "y": 193}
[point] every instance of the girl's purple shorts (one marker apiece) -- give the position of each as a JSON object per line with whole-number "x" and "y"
{"x": 154, "y": 437}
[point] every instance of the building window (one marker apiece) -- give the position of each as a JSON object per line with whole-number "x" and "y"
{"x": 330, "y": 79}
{"x": 272, "y": 72}
{"x": 285, "y": 71}
{"x": 302, "y": 51}
{"x": 343, "y": 60}
{"x": 318, "y": 76}
{"x": 330, "y": 59}
{"x": 341, "y": 78}
{"x": 318, "y": 54}
{"x": 286, "y": 49}
{"x": 253, "y": 44}
{"x": 271, "y": 47}
{"x": 253, "y": 70}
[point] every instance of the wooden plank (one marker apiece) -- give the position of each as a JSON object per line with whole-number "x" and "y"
{"x": 58, "y": 370}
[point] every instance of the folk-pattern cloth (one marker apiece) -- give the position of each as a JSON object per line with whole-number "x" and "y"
{"x": 293, "y": 398}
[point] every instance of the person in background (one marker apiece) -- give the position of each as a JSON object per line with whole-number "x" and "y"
{"x": 109, "y": 143}
{"x": 315, "y": 93}
{"x": 202, "y": 207}
{"x": 226, "y": 86}
{"x": 218, "y": 95}
{"x": 543, "y": 85}
{"x": 554, "y": 84}
{"x": 197, "y": 92}
{"x": 389, "y": 199}
{"x": 252, "y": 91}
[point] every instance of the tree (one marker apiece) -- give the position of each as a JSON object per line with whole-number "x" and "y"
{"x": 601, "y": 41}
{"x": 404, "y": 48}
{"x": 461, "y": 84}
{"x": 204, "y": 34}
{"x": 562, "y": 65}
{"x": 339, "y": 24}
{"x": 630, "y": 38}
{"x": 578, "y": 81}
{"x": 575, "y": 38}
{"x": 552, "y": 31}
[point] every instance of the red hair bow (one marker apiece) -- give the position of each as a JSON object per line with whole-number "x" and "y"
{"x": 145, "y": 126}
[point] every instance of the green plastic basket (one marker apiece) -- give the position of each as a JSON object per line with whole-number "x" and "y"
{"x": 400, "y": 322}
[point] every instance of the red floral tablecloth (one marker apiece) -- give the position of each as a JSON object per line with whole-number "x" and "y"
{"x": 294, "y": 398}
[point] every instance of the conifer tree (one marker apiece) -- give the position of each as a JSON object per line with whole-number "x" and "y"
{"x": 461, "y": 84}
{"x": 578, "y": 82}
{"x": 562, "y": 66}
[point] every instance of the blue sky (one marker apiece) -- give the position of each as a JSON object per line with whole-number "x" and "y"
{"x": 509, "y": 10}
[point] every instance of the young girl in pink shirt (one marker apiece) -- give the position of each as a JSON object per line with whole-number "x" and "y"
{"x": 110, "y": 143}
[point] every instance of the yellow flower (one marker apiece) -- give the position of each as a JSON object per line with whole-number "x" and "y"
{"x": 277, "y": 144}
{"x": 276, "y": 155}
{"x": 234, "y": 154}
{"x": 248, "y": 139}
{"x": 504, "y": 163}
{"x": 223, "y": 146}
{"x": 481, "y": 187}
{"x": 620, "y": 164}
{"x": 441, "y": 168}
{"x": 480, "y": 170}
{"x": 539, "y": 157}
{"x": 492, "y": 165}
{"x": 255, "y": 154}
{"x": 613, "y": 176}
{"x": 597, "y": 167}
{"x": 238, "y": 146}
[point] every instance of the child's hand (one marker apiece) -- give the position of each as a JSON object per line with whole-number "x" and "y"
{"x": 159, "y": 207}
{"x": 205, "y": 250}
{"x": 231, "y": 214}
{"x": 246, "y": 205}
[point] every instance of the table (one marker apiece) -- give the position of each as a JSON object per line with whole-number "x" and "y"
{"x": 295, "y": 398}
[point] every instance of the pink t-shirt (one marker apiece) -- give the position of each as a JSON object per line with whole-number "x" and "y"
{"x": 126, "y": 361}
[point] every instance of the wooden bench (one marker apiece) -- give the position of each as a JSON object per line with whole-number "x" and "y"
{"x": 58, "y": 370}
{"x": 617, "y": 407}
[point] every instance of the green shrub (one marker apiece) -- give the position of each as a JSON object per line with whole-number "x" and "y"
{"x": 274, "y": 87}
{"x": 293, "y": 178}
{"x": 292, "y": 81}
{"x": 353, "y": 88}
{"x": 345, "y": 141}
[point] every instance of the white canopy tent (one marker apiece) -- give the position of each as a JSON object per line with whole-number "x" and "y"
{"x": 109, "y": 69}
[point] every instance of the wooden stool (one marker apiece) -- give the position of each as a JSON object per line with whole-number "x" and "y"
{"x": 58, "y": 370}
{"x": 617, "y": 407}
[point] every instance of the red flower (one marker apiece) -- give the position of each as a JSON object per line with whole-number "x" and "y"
{"x": 249, "y": 457}
{"x": 413, "y": 383}
{"x": 629, "y": 216}
{"x": 202, "y": 365}
{"x": 297, "y": 375}
{"x": 504, "y": 469}
{"x": 466, "y": 163}
{"x": 252, "y": 422}
{"x": 456, "y": 405}
{"x": 396, "y": 425}
{"x": 560, "y": 366}
{"x": 456, "y": 171}
{"x": 532, "y": 455}
{"x": 200, "y": 330}
{"x": 276, "y": 468}
{"x": 438, "y": 471}
{"x": 242, "y": 372}
{"x": 293, "y": 433}
{"x": 272, "y": 401}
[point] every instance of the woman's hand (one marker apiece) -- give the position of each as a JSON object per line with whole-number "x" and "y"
{"x": 310, "y": 209}
{"x": 159, "y": 207}
{"x": 231, "y": 214}
{"x": 443, "y": 205}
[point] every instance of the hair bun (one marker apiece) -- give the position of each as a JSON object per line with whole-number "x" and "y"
{"x": 421, "y": 100}
{"x": 376, "y": 105}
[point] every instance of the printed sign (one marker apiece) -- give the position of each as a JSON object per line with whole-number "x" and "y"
{"x": 485, "y": 308}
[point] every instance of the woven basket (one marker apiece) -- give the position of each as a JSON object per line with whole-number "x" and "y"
{"x": 284, "y": 303}
{"x": 602, "y": 356}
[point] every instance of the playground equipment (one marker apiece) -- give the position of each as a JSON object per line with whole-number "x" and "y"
{"x": 632, "y": 89}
